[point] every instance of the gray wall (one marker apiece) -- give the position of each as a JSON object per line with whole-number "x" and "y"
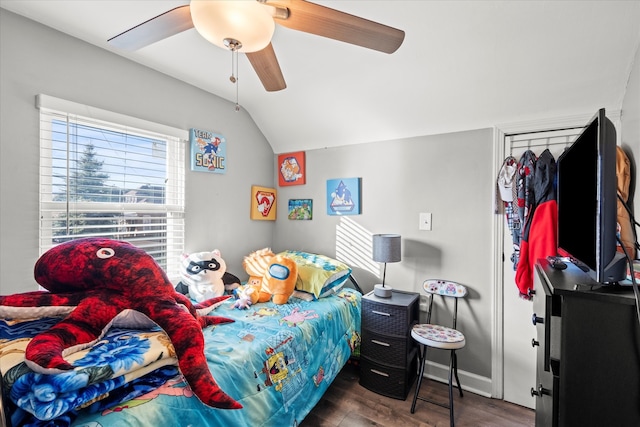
{"x": 36, "y": 59}
{"x": 447, "y": 175}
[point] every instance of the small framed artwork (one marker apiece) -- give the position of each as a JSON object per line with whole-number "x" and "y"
{"x": 301, "y": 209}
{"x": 208, "y": 151}
{"x": 263, "y": 203}
{"x": 343, "y": 196}
{"x": 291, "y": 169}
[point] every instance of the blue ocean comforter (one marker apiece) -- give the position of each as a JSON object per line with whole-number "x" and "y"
{"x": 276, "y": 360}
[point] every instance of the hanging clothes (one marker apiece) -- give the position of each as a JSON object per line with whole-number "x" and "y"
{"x": 507, "y": 192}
{"x": 526, "y": 175}
{"x": 540, "y": 236}
{"x": 625, "y": 227}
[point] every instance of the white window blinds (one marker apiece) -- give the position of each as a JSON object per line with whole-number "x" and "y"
{"x": 111, "y": 178}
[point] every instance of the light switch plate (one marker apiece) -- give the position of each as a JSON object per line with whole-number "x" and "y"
{"x": 425, "y": 221}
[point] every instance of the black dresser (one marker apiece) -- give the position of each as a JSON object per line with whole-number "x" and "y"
{"x": 588, "y": 351}
{"x": 388, "y": 354}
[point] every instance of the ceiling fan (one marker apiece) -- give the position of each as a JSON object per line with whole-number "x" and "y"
{"x": 247, "y": 27}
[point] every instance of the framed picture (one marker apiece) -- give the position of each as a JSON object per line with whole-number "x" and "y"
{"x": 301, "y": 209}
{"x": 263, "y": 203}
{"x": 208, "y": 151}
{"x": 291, "y": 169}
{"x": 343, "y": 196}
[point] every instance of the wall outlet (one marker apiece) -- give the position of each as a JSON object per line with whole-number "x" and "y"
{"x": 425, "y": 221}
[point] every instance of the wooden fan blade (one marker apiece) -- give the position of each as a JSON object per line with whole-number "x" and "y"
{"x": 326, "y": 22}
{"x": 265, "y": 63}
{"x": 155, "y": 29}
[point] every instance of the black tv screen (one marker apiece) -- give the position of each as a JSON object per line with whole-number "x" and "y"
{"x": 587, "y": 202}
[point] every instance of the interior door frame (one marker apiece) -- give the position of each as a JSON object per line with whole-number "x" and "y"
{"x": 497, "y": 318}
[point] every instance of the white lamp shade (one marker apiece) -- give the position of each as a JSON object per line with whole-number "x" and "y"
{"x": 386, "y": 248}
{"x": 246, "y": 21}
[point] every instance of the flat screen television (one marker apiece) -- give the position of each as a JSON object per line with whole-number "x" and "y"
{"x": 587, "y": 202}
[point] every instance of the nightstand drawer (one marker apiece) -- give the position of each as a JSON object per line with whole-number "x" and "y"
{"x": 387, "y": 380}
{"x": 391, "y": 350}
{"x": 392, "y": 317}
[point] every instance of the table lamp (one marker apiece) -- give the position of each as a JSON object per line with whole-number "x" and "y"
{"x": 386, "y": 248}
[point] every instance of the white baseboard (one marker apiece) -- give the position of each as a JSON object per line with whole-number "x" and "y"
{"x": 468, "y": 381}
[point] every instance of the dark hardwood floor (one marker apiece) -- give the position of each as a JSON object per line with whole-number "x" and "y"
{"x": 347, "y": 404}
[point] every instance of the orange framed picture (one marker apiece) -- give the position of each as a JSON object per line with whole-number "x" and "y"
{"x": 263, "y": 203}
{"x": 291, "y": 169}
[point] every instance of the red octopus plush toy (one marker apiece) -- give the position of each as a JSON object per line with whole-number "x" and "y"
{"x": 100, "y": 282}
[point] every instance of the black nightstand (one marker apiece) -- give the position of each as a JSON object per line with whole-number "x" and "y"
{"x": 388, "y": 355}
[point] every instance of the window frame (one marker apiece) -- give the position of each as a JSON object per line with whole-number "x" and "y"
{"x": 52, "y": 108}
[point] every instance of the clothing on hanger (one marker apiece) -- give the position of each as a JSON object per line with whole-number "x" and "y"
{"x": 507, "y": 192}
{"x": 539, "y": 234}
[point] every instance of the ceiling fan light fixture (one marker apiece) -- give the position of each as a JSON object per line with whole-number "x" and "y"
{"x": 247, "y": 21}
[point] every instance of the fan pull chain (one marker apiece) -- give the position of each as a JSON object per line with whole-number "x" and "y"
{"x": 233, "y": 46}
{"x": 235, "y": 57}
{"x": 234, "y": 74}
{"x": 233, "y": 69}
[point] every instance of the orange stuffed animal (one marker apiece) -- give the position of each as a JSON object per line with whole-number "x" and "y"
{"x": 270, "y": 277}
{"x": 255, "y": 264}
{"x": 281, "y": 277}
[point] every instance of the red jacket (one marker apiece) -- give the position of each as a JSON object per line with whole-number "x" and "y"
{"x": 542, "y": 242}
{"x": 540, "y": 233}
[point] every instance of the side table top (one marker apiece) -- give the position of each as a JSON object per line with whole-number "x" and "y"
{"x": 401, "y": 298}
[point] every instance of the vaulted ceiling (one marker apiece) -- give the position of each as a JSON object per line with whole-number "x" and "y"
{"x": 463, "y": 65}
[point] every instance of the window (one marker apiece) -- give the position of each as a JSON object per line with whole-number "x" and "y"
{"x": 109, "y": 179}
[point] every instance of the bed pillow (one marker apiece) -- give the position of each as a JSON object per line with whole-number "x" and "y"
{"x": 318, "y": 275}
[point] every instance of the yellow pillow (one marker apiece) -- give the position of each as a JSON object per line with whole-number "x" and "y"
{"x": 318, "y": 274}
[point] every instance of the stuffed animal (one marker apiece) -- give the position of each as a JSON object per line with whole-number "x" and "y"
{"x": 247, "y": 295}
{"x": 102, "y": 281}
{"x": 270, "y": 277}
{"x": 279, "y": 280}
{"x": 205, "y": 275}
{"x": 231, "y": 282}
{"x": 255, "y": 264}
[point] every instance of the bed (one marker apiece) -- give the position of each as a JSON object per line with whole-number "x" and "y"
{"x": 275, "y": 360}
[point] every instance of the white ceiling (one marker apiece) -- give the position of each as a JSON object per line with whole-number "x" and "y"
{"x": 463, "y": 65}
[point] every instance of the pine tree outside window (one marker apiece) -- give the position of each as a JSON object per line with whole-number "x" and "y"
{"x": 106, "y": 178}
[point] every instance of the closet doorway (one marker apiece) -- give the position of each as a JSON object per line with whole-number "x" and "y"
{"x": 514, "y": 359}
{"x": 519, "y": 355}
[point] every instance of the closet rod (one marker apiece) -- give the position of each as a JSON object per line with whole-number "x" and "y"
{"x": 524, "y": 144}
{"x": 542, "y": 131}
{"x": 547, "y": 138}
